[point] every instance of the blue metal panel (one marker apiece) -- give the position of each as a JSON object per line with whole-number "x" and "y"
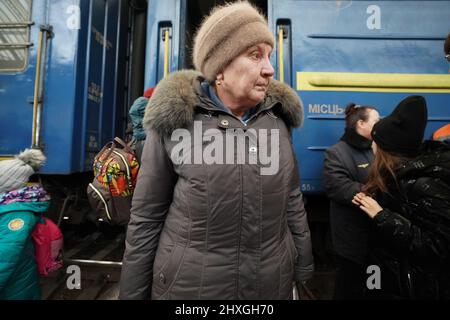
{"x": 16, "y": 94}
{"x": 99, "y": 82}
{"x": 77, "y": 159}
{"x": 101, "y": 108}
{"x": 161, "y": 13}
{"x": 120, "y": 109}
{"x": 79, "y": 108}
{"x": 109, "y": 73}
{"x": 285, "y": 26}
{"x": 333, "y": 36}
{"x": 93, "y": 85}
{"x": 59, "y": 90}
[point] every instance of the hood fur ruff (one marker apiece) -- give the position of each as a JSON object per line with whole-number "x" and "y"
{"x": 174, "y": 99}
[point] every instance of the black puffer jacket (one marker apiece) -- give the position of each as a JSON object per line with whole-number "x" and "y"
{"x": 215, "y": 231}
{"x": 346, "y": 169}
{"x": 411, "y": 243}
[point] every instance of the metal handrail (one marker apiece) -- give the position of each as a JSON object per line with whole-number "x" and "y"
{"x": 37, "y": 100}
{"x": 166, "y": 52}
{"x": 15, "y": 45}
{"x": 36, "y": 124}
{"x": 14, "y": 25}
{"x": 93, "y": 262}
{"x": 280, "y": 55}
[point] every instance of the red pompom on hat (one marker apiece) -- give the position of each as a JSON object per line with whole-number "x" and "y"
{"x": 148, "y": 93}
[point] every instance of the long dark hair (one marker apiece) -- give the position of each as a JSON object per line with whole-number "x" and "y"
{"x": 447, "y": 46}
{"x": 355, "y": 112}
{"x": 382, "y": 171}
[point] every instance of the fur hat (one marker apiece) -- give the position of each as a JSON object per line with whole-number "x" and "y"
{"x": 226, "y": 33}
{"x": 14, "y": 174}
{"x": 401, "y": 132}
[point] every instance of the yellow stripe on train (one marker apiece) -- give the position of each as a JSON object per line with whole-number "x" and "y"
{"x": 373, "y": 82}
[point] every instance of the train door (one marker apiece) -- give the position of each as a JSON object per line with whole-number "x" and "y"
{"x": 170, "y": 31}
{"x": 23, "y": 55}
{"x": 162, "y": 45}
{"x": 367, "y": 52}
{"x": 104, "y": 82}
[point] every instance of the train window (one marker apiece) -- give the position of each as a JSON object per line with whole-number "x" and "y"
{"x": 15, "y": 16}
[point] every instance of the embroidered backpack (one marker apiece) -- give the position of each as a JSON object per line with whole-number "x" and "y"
{"x": 115, "y": 172}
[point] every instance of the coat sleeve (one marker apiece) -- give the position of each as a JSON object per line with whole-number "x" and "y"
{"x": 338, "y": 182}
{"x": 426, "y": 244}
{"x": 298, "y": 225}
{"x": 151, "y": 201}
{"x": 15, "y": 231}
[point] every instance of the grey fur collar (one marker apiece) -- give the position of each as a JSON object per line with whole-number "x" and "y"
{"x": 173, "y": 102}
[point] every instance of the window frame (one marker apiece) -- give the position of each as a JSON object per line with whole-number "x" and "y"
{"x": 26, "y": 44}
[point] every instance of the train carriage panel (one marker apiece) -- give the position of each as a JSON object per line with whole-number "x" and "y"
{"x": 373, "y": 53}
{"x": 80, "y": 102}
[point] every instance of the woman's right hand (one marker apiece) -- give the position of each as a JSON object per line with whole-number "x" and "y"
{"x": 357, "y": 198}
{"x": 367, "y": 204}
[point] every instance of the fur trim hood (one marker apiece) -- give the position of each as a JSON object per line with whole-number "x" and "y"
{"x": 173, "y": 103}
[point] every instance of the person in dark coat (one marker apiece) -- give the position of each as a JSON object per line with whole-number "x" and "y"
{"x": 346, "y": 169}
{"x": 211, "y": 219}
{"x": 407, "y": 198}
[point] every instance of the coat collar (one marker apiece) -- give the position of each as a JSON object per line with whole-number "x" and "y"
{"x": 356, "y": 140}
{"x": 176, "y": 97}
{"x": 433, "y": 160}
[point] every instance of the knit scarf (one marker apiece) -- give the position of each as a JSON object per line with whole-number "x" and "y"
{"x": 26, "y": 194}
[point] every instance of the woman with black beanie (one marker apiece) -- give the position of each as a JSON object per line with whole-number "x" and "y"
{"x": 410, "y": 181}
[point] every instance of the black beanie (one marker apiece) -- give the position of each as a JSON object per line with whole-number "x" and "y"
{"x": 402, "y": 131}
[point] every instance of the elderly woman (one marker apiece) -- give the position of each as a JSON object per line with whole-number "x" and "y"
{"x": 217, "y": 212}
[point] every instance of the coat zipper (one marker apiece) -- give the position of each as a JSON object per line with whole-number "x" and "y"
{"x": 240, "y": 229}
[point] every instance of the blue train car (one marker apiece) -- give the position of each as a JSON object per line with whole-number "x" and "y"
{"x": 62, "y": 79}
{"x": 332, "y": 53}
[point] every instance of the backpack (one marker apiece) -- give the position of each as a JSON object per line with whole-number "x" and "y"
{"x": 115, "y": 171}
{"x": 48, "y": 245}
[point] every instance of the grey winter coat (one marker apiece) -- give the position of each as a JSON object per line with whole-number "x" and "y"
{"x": 346, "y": 169}
{"x": 215, "y": 231}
